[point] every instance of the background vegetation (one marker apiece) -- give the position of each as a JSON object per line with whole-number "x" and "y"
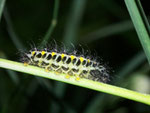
{"x": 97, "y": 25}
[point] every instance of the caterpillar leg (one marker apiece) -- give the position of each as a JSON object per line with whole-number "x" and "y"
{"x": 57, "y": 73}
{"x": 25, "y": 64}
{"x": 67, "y": 76}
{"x": 59, "y": 70}
{"x": 46, "y": 70}
{"x": 77, "y": 77}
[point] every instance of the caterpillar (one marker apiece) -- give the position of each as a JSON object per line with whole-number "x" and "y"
{"x": 71, "y": 64}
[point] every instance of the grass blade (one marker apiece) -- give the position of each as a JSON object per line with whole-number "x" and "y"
{"x": 2, "y": 4}
{"x": 97, "y": 86}
{"x": 108, "y": 31}
{"x": 139, "y": 23}
{"x": 53, "y": 23}
{"x": 75, "y": 16}
{"x": 10, "y": 29}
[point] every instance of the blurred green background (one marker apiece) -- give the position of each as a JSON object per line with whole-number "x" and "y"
{"x": 103, "y": 26}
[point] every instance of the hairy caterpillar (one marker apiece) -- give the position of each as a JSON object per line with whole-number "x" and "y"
{"x": 70, "y": 64}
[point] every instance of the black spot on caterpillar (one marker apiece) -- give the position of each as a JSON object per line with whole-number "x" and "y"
{"x": 69, "y": 63}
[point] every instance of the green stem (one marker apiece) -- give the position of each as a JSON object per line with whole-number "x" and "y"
{"x": 139, "y": 5}
{"x": 131, "y": 65}
{"x": 2, "y": 4}
{"x": 53, "y": 23}
{"x": 107, "y": 31}
{"x": 10, "y": 29}
{"x": 75, "y": 17}
{"x": 97, "y": 86}
{"x": 140, "y": 25}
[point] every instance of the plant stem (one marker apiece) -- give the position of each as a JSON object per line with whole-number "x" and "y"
{"x": 97, "y": 86}
{"x": 10, "y": 29}
{"x": 107, "y": 31}
{"x": 132, "y": 64}
{"x": 53, "y": 23}
{"x": 73, "y": 23}
{"x": 140, "y": 25}
{"x": 2, "y": 4}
